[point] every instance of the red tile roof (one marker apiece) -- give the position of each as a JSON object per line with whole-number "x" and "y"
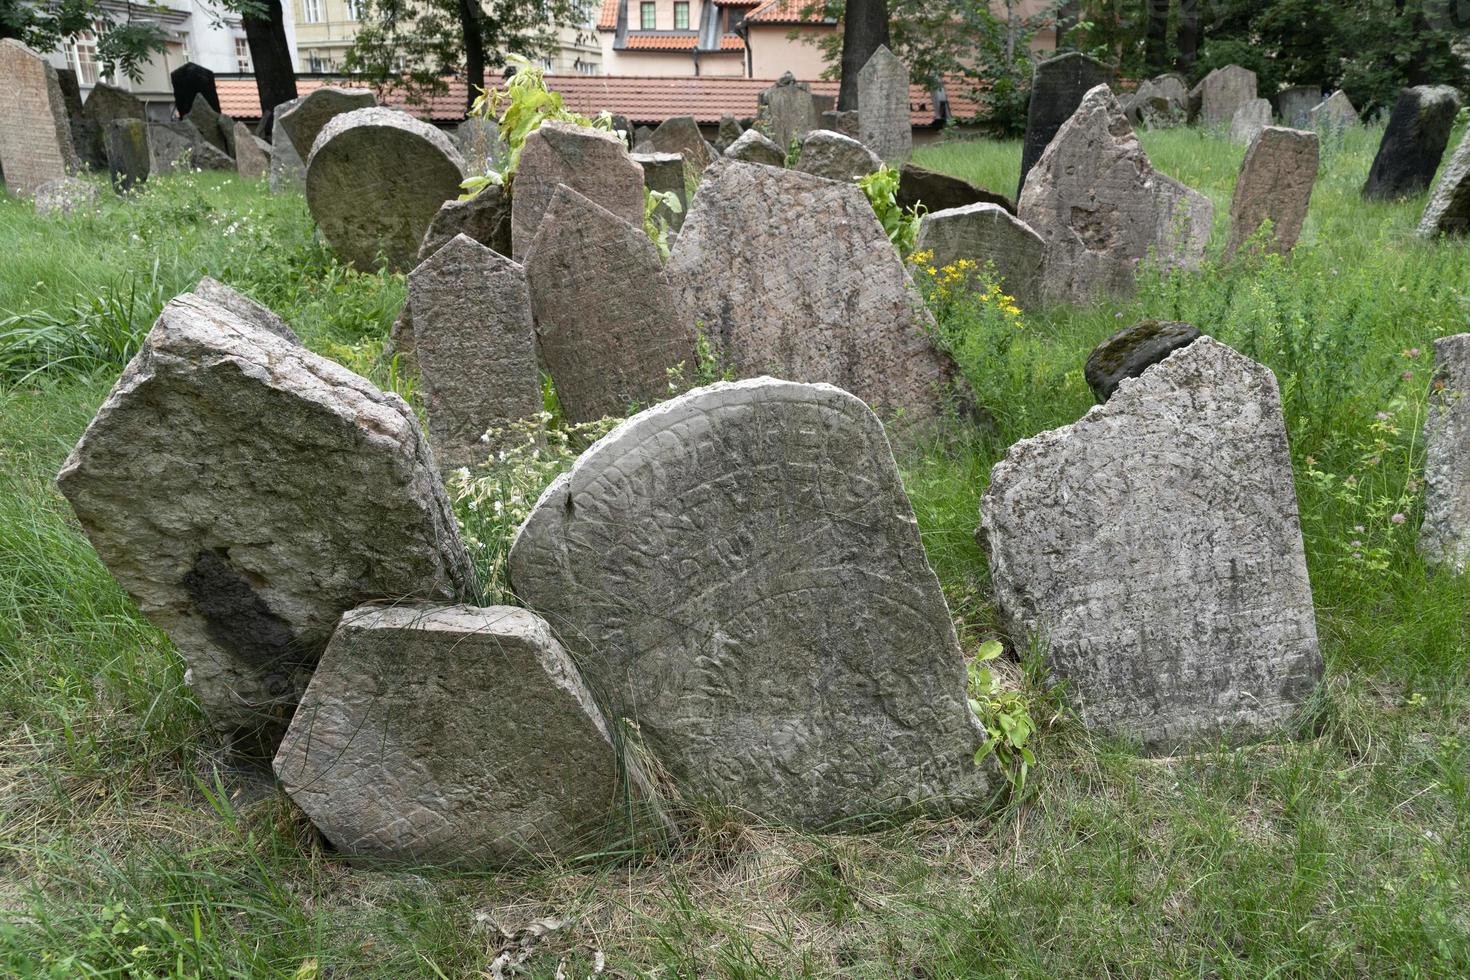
{"x": 790, "y": 12}
{"x": 678, "y": 42}
{"x": 608, "y": 19}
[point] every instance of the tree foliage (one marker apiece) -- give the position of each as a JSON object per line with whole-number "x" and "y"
{"x": 123, "y": 46}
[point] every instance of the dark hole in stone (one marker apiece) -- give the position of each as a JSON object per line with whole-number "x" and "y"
{"x": 239, "y": 620}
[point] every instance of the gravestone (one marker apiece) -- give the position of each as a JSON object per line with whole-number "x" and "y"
{"x": 1295, "y": 104}
{"x": 1444, "y": 538}
{"x": 190, "y": 80}
{"x": 107, "y": 102}
{"x": 622, "y": 126}
{"x": 592, "y": 162}
{"x": 479, "y": 142}
{"x": 1448, "y": 210}
{"x": 288, "y": 170}
{"x": 64, "y": 195}
{"x": 788, "y": 112}
{"x": 475, "y": 348}
{"x": 451, "y": 735}
{"x": 883, "y": 107}
{"x": 1159, "y": 103}
{"x": 753, "y": 146}
{"x": 1275, "y": 183}
{"x": 35, "y": 137}
{"x": 255, "y": 314}
{"x": 1153, "y": 550}
{"x": 245, "y": 493}
{"x": 729, "y": 131}
{"x": 71, "y": 92}
{"x": 1057, "y": 87}
{"x": 738, "y": 572}
{"x": 608, "y": 327}
{"x": 304, "y": 118}
{"x": 89, "y": 142}
{"x": 680, "y": 134}
{"x": 179, "y": 146}
{"x": 1334, "y": 113}
{"x": 845, "y": 122}
{"x": 225, "y": 126}
{"x": 1102, "y": 209}
{"x": 941, "y": 192}
{"x": 1249, "y": 120}
{"x": 484, "y": 217}
{"x": 791, "y": 275}
{"x": 836, "y": 157}
{"x": 987, "y": 234}
{"x": 374, "y": 182}
{"x": 129, "y": 157}
{"x": 1413, "y": 143}
{"x": 252, "y": 154}
{"x": 1214, "y": 101}
{"x": 664, "y": 172}
{"x": 1133, "y": 350}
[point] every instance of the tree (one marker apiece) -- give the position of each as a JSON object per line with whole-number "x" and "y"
{"x": 270, "y": 52}
{"x": 1156, "y": 37}
{"x": 864, "y": 31}
{"x": 1187, "y": 37}
{"x": 123, "y": 46}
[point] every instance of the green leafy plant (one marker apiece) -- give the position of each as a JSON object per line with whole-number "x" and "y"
{"x": 1005, "y": 715}
{"x": 900, "y": 224}
{"x": 656, "y": 222}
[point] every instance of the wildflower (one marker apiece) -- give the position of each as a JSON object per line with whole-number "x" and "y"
{"x": 1359, "y": 529}
{"x": 1118, "y": 315}
{"x": 1351, "y": 481}
{"x": 1407, "y": 375}
{"x": 1381, "y": 416}
{"x": 1413, "y": 352}
{"x": 1398, "y": 518}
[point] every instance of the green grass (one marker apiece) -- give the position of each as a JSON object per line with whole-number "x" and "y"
{"x": 1340, "y": 851}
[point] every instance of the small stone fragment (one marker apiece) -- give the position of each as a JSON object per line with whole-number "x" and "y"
{"x": 754, "y": 147}
{"x": 1132, "y": 350}
{"x": 835, "y": 157}
{"x": 64, "y": 195}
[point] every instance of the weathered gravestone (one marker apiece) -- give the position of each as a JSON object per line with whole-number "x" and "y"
{"x": 1249, "y": 120}
{"x": 729, "y": 131}
{"x": 129, "y": 158}
{"x": 1159, "y": 103}
{"x": 754, "y": 146}
{"x": 71, "y": 92}
{"x": 479, "y": 142}
{"x": 1413, "y": 143}
{"x": 843, "y": 121}
{"x": 987, "y": 234}
{"x": 1295, "y": 104}
{"x": 107, "y": 102}
{"x": 680, "y": 134}
{"x": 1133, "y": 350}
{"x": 475, "y": 348}
{"x": 941, "y": 192}
{"x": 609, "y": 328}
{"x": 374, "y": 182}
{"x": 89, "y": 142}
{"x": 179, "y": 146}
{"x": 791, "y": 275}
{"x": 64, "y": 195}
{"x": 252, "y": 154}
{"x": 35, "y": 137}
{"x": 226, "y": 127}
{"x": 190, "y": 80}
{"x": 288, "y": 170}
{"x": 304, "y": 118}
{"x": 592, "y": 162}
{"x": 255, "y": 314}
{"x": 1444, "y": 538}
{"x": 451, "y": 735}
{"x": 1101, "y": 208}
{"x": 1275, "y": 184}
{"x": 664, "y": 173}
{"x": 1219, "y": 94}
{"x": 246, "y": 492}
{"x": 787, "y": 111}
{"x": 484, "y": 217}
{"x": 836, "y": 157}
{"x": 1334, "y": 114}
{"x": 1057, "y": 87}
{"x": 883, "y": 107}
{"x": 1153, "y": 549}
{"x": 1448, "y": 210}
{"x": 738, "y": 572}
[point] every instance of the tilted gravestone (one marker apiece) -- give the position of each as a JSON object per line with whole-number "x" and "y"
{"x": 129, "y": 157}
{"x": 729, "y": 131}
{"x": 1413, "y": 143}
{"x": 1295, "y": 104}
{"x": 989, "y": 236}
{"x": 475, "y": 348}
{"x": 664, "y": 172}
{"x": 374, "y": 182}
{"x": 71, "y": 92}
{"x": 1154, "y": 552}
{"x": 255, "y": 314}
{"x": 1334, "y": 114}
{"x": 480, "y": 143}
{"x": 1219, "y": 94}
{"x": 451, "y": 735}
{"x": 35, "y": 137}
{"x": 484, "y": 217}
{"x": 1275, "y": 184}
{"x": 787, "y": 111}
{"x": 592, "y": 162}
{"x": 190, "y": 80}
{"x": 106, "y": 102}
{"x": 940, "y": 192}
{"x": 1057, "y": 87}
{"x": 288, "y": 170}
{"x": 252, "y": 154}
{"x": 754, "y": 146}
{"x": 883, "y": 107}
{"x": 791, "y": 275}
{"x": 1249, "y": 120}
{"x": 836, "y": 157}
{"x": 738, "y": 572}
{"x": 64, "y": 195}
{"x": 1448, "y": 210}
{"x": 1102, "y": 209}
{"x": 1444, "y": 538}
{"x": 304, "y": 118}
{"x": 845, "y": 121}
{"x": 179, "y": 146}
{"x": 246, "y": 492}
{"x": 1133, "y": 350}
{"x": 606, "y": 318}
{"x": 680, "y": 134}
{"x": 1159, "y": 103}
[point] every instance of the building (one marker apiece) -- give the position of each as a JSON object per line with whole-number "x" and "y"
{"x": 740, "y": 38}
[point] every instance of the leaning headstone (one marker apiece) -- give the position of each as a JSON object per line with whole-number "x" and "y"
{"x": 1154, "y": 552}
{"x": 1102, "y": 209}
{"x": 664, "y": 172}
{"x": 1444, "y": 538}
{"x": 451, "y": 735}
{"x": 475, "y": 347}
{"x": 225, "y": 126}
{"x": 1249, "y": 120}
{"x": 1295, "y": 104}
{"x": 1219, "y": 94}
{"x": 304, "y": 118}
{"x": 64, "y": 195}
{"x": 987, "y": 235}
{"x": 680, "y": 134}
{"x": 247, "y": 492}
{"x": 129, "y": 158}
{"x": 484, "y": 217}
{"x": 836, "y": 157}
{"x": 255, "y": 314}
{"x": 729, "y": 132}
{"x": 1448, "y": 210}
{"x": 1413, "y": 143}
{"x": 940, "y": 192}
{"x": 592, "y": 162}
{"x": 374, "y": 182}
{"x": 792, "y": 275}
{"x": 1275, "y": 184}
{"x": 179, "y": 146}
{"x": 89, "y": 141}
{"x": 71, "y": 92}
{"x": 1334, "y": 114}
{"x": 1057, "y": 87}
{"x": 190, "y": 80}
{"x": 288, "y": 170}
{"x": 35, "y": 137}
{"x": 479, "y": 142}
{"x": 883, "y": 107}
{"x": 1159, "y": 103}
{"x": 106, "y": 102}
{"x": 753, "y": 146}
{"x": 1133, "y": 350}
{"x": 806, "y": 677}
{"x": 845, "y": 122}
{"x": 606, "y": 319}
{"x": 788, "y": 112}
{"x": 252, "y": 154}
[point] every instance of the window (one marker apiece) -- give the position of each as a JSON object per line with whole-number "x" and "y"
{"x": 242, "y": 55}
{"x": 84, "y": 57}
{"x": 311, "y": 11}
{"x": 354, "y": 11}
{"x": 645, "y": 12}
{"x": 681, "y": 16}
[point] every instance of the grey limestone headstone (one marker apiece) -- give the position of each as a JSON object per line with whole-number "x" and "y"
{"x": 479, "y": 142}
{"x": 592, "y": 162}
{"x": 1133, "y": 350}
{"x": 303, "y": 118}
{"x": 1295, "y": 104}
{"x": 35, "y": 136}
{"x": 1220, "y": 93}
{"x": 1413, "y": 143}
{"x": 179, "y": 145}
{"x": 1444, "y": 538}
{"x": 988, "y": 235}
{"x": 64, "y": 195}
{"x": 1249, "y": 120}
{"x": 1159, "y": 103}
{"x": 1448, "y": 210}
{"x": 836, "y": 157}
{"x": 1153, "y": 551}
{"x": 729, "y": 131}
{"x": 207, "y": 121}
{"x": 664, "y": 172}
{"x": 288, "y": 170}
{"x": 129, "y": 157}
{"x": 71, "y": 92}
{"x": 753, "y": 146}
{"x": 1057, "y": 87}
{"x": 738, "y": 573}
{"x": 788, "y": 112}
{"x": 845, "y": 122}
{"x": 106, "y": 102}
{"x": 255, "y": 314}
{"x": 1275, "y": 184}
{"x": 680, "y": 134}
{"x": 252, "y": 154}
{"x": 1333, "y": 114}
{"x": 940, "y": 192}
{"x": 883, "y": 107}
{"x": 246, "y": 492}
{"x": 484, "y": 217}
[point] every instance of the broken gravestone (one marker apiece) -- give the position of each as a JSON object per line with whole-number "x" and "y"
{"x": 1448, "y": 210}
{"x": 64, "y": 195}
{"x": 836, "y": 157}
{"x": 1153, "y": 550}
{"x": 592, "y": 162}
{"x": 1159, "y": 103}
{"x": 178, "y": 145}
{"x": 288, "y": 170}
{"x": 252, "y": 154}
{"x": 35, "y": 137}
{"x": 1296, "y": 104}
{"x": 245, "y": 493}
{"x": 1057, "y": 87}
{"x": 844, "y": 121}
{"x": 664, "y": 173}
{"x": 753, "y": 146}
{"x": 1219, "y": 94}
{"x": 680, "y": 134}
{"x": 1249, "y": 119}
{"x": 484, "y": 217}
{"x": 1102, "y": 209}
{"x": 941, "y": 192}
{"x": 1334, "y": 114}
{"x": 883, "y": 107}
{"x": 129, "y": 158}
{"x": 608, "y": 325}
{"x": 1133, "y": 350}
{"x": 303, "y": 118}
{"x": 451, "y": 735}
{"x": 1275, "y": 184}
{"x": 987, "y": 235}
{"x": 207, "y": 120}
{"x": 738, "y": 573}
{"x": 1444, "y": 538}
{"x": 1413, "y": 143}
{"x": 253, "y": 313}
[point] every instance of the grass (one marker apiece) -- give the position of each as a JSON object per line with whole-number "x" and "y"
{"x": 1341, "y": 850}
